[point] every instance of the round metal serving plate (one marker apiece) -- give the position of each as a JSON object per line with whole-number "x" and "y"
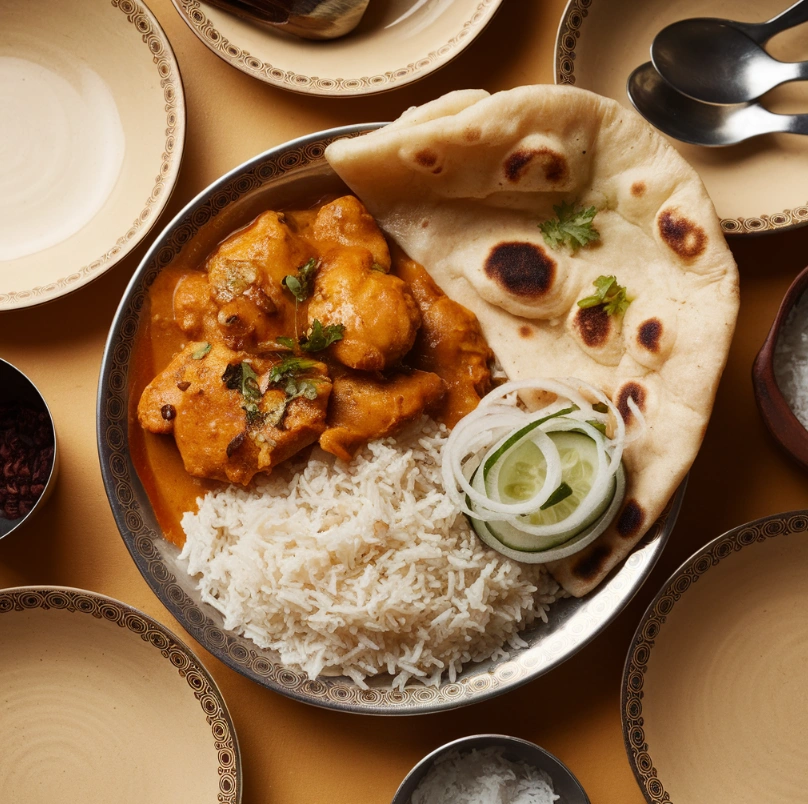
{"x": 296, "y": 174}
{"x": 757, "y": 186}
{"x": 674, "y": 758}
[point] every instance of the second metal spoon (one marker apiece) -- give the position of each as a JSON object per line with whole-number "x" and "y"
{"x": 699, "y": 123}
{"x": 721, "y": 61}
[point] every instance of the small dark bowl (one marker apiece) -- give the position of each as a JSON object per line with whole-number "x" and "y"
{"x": 16, "y": 387}
{"x": 565, "y": 784}
{"x": 786, "y": 428}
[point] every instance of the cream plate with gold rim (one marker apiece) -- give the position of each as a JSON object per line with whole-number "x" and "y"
{"x": 102, "y": 704}
{"x": 91, "y": 136}
{"x": 757, "y": 186}
{"x": 397, "y": 42}
{"x": 714, "y": 697}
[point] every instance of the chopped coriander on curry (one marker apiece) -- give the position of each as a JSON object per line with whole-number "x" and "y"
{"x": 288, "y": 367}
{"x": 319, "y": 337}
{"x": 241, "y": 377}
{"x": 572, "y": 227}
{"x": 201, "y": 351}
{"x": 610, "y": 294}
{"x": 300, "y": 286}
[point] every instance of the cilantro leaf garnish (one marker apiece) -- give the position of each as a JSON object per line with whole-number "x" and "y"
{"x": 200, "y": 351}
{"x": 289, "y": 343}
{"x": 321, "y": 337}
{"x": 288, "y": 367}
{"x": 300, "y": 286}
{"x": 573, "y": 227}
{"x": 241, "y": 377}
{"x": 610, "y": 294}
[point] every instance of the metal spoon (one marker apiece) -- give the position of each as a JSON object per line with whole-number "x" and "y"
{"x": 309, "y": 19}
{"x": 699, "y": 123}
{"x": 721, "y": 61}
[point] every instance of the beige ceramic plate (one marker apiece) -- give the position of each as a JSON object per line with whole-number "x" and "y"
{"x": 397, "y": 42}
{"x": 91, "y": 136}
{"x": 757, "y": 186}
{"x": 714, "y": 689}
{"x": 102, "y": 704}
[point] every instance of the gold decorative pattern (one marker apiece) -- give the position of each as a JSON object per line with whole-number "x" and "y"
{"x": 573, "y": 622}
{"x": 78, "y": 601}
{"x": 203, "y": 27}
{"x": 569, "y": 31}
{"x": 163, "y": 57}
{"x": 654, "y": 619}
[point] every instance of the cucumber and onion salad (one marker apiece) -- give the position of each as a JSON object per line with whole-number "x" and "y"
{"x": 539, "y": 485}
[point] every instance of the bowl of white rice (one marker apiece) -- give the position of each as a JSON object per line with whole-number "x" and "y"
{"x": 490, "y": 769}
{"x": 355, "y": 587}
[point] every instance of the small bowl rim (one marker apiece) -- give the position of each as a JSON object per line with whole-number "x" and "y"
{"x": 476, "y": 741}
{"x": 54, "y": 462}
{"x": 774, "y": 408}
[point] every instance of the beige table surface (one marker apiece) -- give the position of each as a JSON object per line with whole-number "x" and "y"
{"x": 293, "y": 753}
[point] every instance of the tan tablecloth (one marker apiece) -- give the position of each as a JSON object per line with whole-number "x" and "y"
{"x": 297, "y": 754}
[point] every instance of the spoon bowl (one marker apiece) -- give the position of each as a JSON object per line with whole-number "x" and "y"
{"x": 698, "y": 123}
{"x": 714, "y": 61}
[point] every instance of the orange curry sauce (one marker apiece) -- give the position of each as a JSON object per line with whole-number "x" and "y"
{"x": 448, "y": 344}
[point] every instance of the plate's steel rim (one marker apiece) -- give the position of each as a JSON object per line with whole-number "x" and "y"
{"x": 193, "y": 14}
{"x": 169, "y": 645}
{"x": 168, "y": 72}
{"x": 636, "y": 664}
{"x": 575, "y": 622}
{"x": 564, "y": 73}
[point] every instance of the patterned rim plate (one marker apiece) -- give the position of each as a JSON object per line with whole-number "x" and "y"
{"x": 89, "y": 684}
{"x": 713, "y": 695}
{"x": 757, "y": 186}
{"x": 396, "y": 43}
{"x": 93, "y": 145}
{"x": 296, "y": 173}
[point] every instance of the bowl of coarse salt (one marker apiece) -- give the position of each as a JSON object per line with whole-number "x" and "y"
{"x": 780, "y": 373}
{"x": 490, "y": 769}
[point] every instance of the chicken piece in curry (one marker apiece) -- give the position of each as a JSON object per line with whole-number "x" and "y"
{"x": 302, "y": 329}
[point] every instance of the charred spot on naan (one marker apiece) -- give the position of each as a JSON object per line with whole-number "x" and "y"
{"x": 553, "y": 165}
{"x": 523, "y": 269}
{"x": 638, "y": 189}
{"x": 684, "y": 237}
{"x": 591, "y": 562}
{"x": 631, "y": 390}
{"x": 593, "y": 325}
{"x": 525, "y": 331}
{"x": 649, "y": 334}
{"x": 631, "y": 519}
{"x": 427, "y": 158}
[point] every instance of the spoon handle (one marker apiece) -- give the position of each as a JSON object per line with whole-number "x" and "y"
{"x": 763, "y": 31}
{"x": 796, "y": 123}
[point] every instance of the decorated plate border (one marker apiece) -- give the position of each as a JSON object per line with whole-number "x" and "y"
{"x": 569, "y": 31}
{"x": 187, "y": 665}
{"x": 156, "y": 41}
{"x": 573, "y": 624}
{"x": 654, "y": 619}
{"x": 193, "y": 14}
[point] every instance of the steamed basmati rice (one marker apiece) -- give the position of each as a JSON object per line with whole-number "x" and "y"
{"x": 483, "y": 776}
{"x": 362, "y": 568}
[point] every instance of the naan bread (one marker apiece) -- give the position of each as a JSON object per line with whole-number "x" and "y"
{"x": 462, "y": 184}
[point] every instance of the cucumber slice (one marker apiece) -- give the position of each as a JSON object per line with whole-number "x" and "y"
{"x": 520, "y": 474}
{"x": 553, "y": 553}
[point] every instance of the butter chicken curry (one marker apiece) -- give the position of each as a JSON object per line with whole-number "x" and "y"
{"x": 301, "y": 328}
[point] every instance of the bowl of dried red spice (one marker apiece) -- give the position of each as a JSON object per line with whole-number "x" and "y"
{"x": 28, "y": 459}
